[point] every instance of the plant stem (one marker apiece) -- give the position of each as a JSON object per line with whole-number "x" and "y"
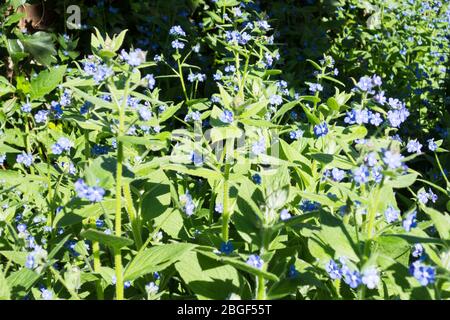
{"x": 134, "y": 219}
{"x": 97, "y": 263}
{"x": 118, "y": 217}
{"x": 180, "y": 74}
{"x": 226, "y": 191}
{"x": 261, "y": 294}
{"x": 440, "y": 168}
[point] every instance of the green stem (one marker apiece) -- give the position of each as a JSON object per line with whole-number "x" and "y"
{"x": 180, "y": 74}
{"x": 226, "y": 191}
{"x": 440, "y": 168}
{"x": 261, "y": 294}
{"x": 118, "y": 216}
{"x": 134, "y": 219}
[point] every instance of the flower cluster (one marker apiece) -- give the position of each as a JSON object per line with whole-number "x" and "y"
{"x": 90, "y": 193}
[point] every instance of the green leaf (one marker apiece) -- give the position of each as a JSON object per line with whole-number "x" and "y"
{"x": 7, "y": 149}
{"x": 5, "y": 292}
{"x": 441, "y": 221}
{"x": 336, "y": 235}
{"x": 40, "y": 46}
{"x": 5, "y": 86}
{"x": 333, "y": 80}
{"x": 238, "y": 264}
{"x": 333, "y": 160}
{"x": 333, "y": 104}
{"x": 19, "y": 257}
{"x": 352, "y": 133}
{"x": 107, "y": 239}
{"x": 97, "y": 102}
{"x": 416, "y": 239}
{"x": 207, "y": 278}
{"x": 402, "y": 181}
{"x": 21, "y": 281}
{"x": 77, "y": 211}
{"x": 253, "y": 109}
{"x": 198, "y": 172}
{"x": 156, "y": 259}
{"x": 224, "y": 133}
{"x": 156, "y": 198}
{"x": 46, "y": 81}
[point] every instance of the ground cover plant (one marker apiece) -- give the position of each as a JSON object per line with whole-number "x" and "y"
{"x": 225, "y": 150}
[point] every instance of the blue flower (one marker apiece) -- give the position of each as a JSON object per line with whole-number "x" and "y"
{"x": 177, "y": 44}
{"x": 432, "y": 145}
{"x": 423, "y": 273}
{"x": 218, "y": 208}
{"x": 46, "y": 294}
{"x": 417, "y": 250}
{"x": 423, "y": 196}
{"x": 2, "y": 158}
{"x": 85, "y": 107}
{"x": 292, "y": 273}
{"x": 315, "y": 87}
{"x": 365, "y": 84}
{"x": 145, "y": 113}
{"x": 26, "y": 107}
{"x": 333, "y": 270}
{"x": 99, "y": 223}
{"x": 134, "y": 58}
{"x": 321, "y": 129}
{"x": 397, "y": 117}
{"x": 150, "y": 81}
{"x": 66, "y": 98}
{"x": 433, "y": 197}
{"x": 151, "y": 288}
{"x": 361, "y": 175}
{"x": 25, "y": 158}
{"x": 392, "y": 159}
{"x": 275, "y": 100}
{"x": 259, "y": 147}
{"x": 337, "y": 174}
{"x": 375, "y": 119}
{"x": 200, "y": 77}
{"x": 414, "y": 146}
{"x": 370, "y": 277}
{"x": 30, "y": 262}
{"x": 285, "y": 215}
{"x": 193, "y": 115}
{"x": 352, "y": 278}
{"x": 21, "y": 227}
{"x": 226, "y": 247}
{"x": 93, "y": 194}
{"x": 256, "y": 178}
{"x": 297, "y": 134}
{"x": 255, "y": 261}
{"x": 391, "y": 214}
{"x": 177, "y": 31}
{"x": 371, "y": 159}
{"x": 380, "y": 98}
{"x": 263, "y": 24}
{"x": 63, "y": 144}
{"x": 308, "y": 206}
{"x": 187, "y": 204}
{"x": 41, "y": 116}
{"x": 410, "y": 221}
{"x": 197, "y": 158}
{"x": 226, "y": 116}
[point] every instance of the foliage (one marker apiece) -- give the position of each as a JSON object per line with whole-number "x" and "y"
{"x": 210, "y": 163}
